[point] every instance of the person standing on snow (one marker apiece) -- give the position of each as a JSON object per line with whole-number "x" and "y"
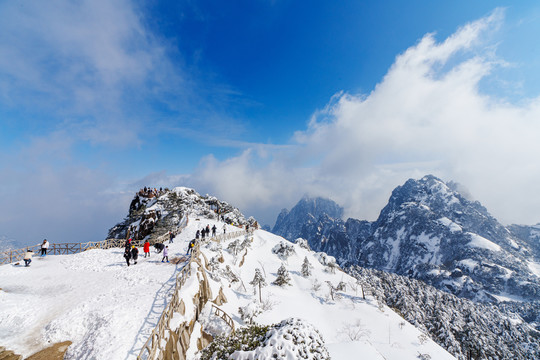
{"x": 224, "y": 228}
{"x": 44, "y": 247}
{"x": 28, "y": 257}
{"x": 197, "y": 234}
{"x": 171, "y": 237}
{"x": 165, "y": 254}
{"x": 146, "y": 248}
{"x": 190, "y": 247}
{"x": 127, "y": 255}
{"x": 203, "y": 234}
{"x": 134, "y": 254}
{"x": 214, "y": 228}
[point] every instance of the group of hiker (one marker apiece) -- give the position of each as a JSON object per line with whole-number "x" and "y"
{"x": 205, "y": 232}
{"x": 29, "y": 253}
{"x": 131, "y": 252}
{"x": 149, "y": 192}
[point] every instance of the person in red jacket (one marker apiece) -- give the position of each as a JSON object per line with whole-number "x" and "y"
{"x": 146, "y": 248}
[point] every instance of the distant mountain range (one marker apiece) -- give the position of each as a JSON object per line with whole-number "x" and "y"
{"x": 429, "y": 231}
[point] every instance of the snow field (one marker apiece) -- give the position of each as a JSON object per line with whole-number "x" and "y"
{"x": 349, "y": 325}
{"x": 93, "y": 299}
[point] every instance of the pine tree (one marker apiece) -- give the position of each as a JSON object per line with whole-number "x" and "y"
{"x": 258, "y": 280}
{"x": 283, "y": 277}
{"x": 306, "y": 268}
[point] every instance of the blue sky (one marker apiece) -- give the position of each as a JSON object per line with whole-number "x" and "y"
{"x": 260, "y": 102}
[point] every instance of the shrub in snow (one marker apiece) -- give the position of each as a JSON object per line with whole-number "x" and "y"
{"x": 303, "y": 243}
{"x": 283, "y": 277}
{"x": 331, "y": 267}
{"x": 306, "y": 268}
{"x": 246, "y": 339}
{"x": 354, "y": 331}
{"x": 325, "y": 259}
{"x": 258, "y": 281}
{"x": 229, "y": 274}
{"x": 333, "y": 291}
{"x": 283, "y": 250}
{"x": 234, "y": 247}
{"x": 246, "y": 243}
{"x": 423, "y": 338}
{"x": 250, "y": 311}
{"x": 316, "y": 285}
{"x": 213, "y": 264}
{"x": 290, "y": 339}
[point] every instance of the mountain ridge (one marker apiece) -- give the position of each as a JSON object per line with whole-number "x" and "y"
{"x": 431, "y": 232}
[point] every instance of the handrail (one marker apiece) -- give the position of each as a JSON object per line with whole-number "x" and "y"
{"x": 8, "y": 257}
{"x": 152, "y": 345}
{"x": 223, "y": 315}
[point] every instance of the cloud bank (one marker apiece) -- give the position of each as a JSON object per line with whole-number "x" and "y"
{"x": 427, "y": 115}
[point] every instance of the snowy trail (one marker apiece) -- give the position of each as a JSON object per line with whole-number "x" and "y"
{"x": 92, "y": 298}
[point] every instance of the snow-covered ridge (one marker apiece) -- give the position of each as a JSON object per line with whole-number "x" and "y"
{"x": 108, "y": 309}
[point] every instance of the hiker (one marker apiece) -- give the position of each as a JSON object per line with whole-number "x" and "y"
{"x": 127, "y": 245}
{"x": 127, "y": 255}
{"x": 134, "y": 254}
{"x": 171, "y": 237}
{"x": 146, "y": 249}
{"x": 214, "y": 230}
{"x": 207, "y": 230}
{"x": 28, "y": 257}
{"x": 224, "y": 228}
{"x": 44, "y": 247}
{"x": 197, "y": 234}
{"x": 190, "y": 247}
{"x": 203, "y": 234}
{"x": 165, "y": 254}
{"x": 159, "y": 247}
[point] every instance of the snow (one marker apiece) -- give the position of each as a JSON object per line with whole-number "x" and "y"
{"x": 469, "y": 264}
{"x": 534, "y": 267}
{"x": 483, "y": 243}
{"x": 452, "y": 226}
{"x": 108, "y": 310}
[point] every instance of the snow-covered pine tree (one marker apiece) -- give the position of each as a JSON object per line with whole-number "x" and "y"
{"x": 258, "y": 281}
{"x": 283, "y": 277}
{"x": 306, "y": 268}
{"x": 234, "y": 247}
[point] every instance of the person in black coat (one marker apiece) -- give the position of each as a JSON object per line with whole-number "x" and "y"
{"x": 127, "y": 255}
{"x": 159, "y": 247}
{"x": 134, "y": 254}
{"x": 190, "y": 247}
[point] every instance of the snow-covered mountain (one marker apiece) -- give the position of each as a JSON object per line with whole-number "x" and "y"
{"x": 156, "y": 215}
{"x": 305, "y": 307}
{"x": 429, "y": 231}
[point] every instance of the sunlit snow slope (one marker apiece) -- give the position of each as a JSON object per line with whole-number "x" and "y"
{"x": 108, "y": 309}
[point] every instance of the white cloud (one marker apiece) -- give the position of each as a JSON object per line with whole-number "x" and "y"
{"x": 426, "y": 116}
